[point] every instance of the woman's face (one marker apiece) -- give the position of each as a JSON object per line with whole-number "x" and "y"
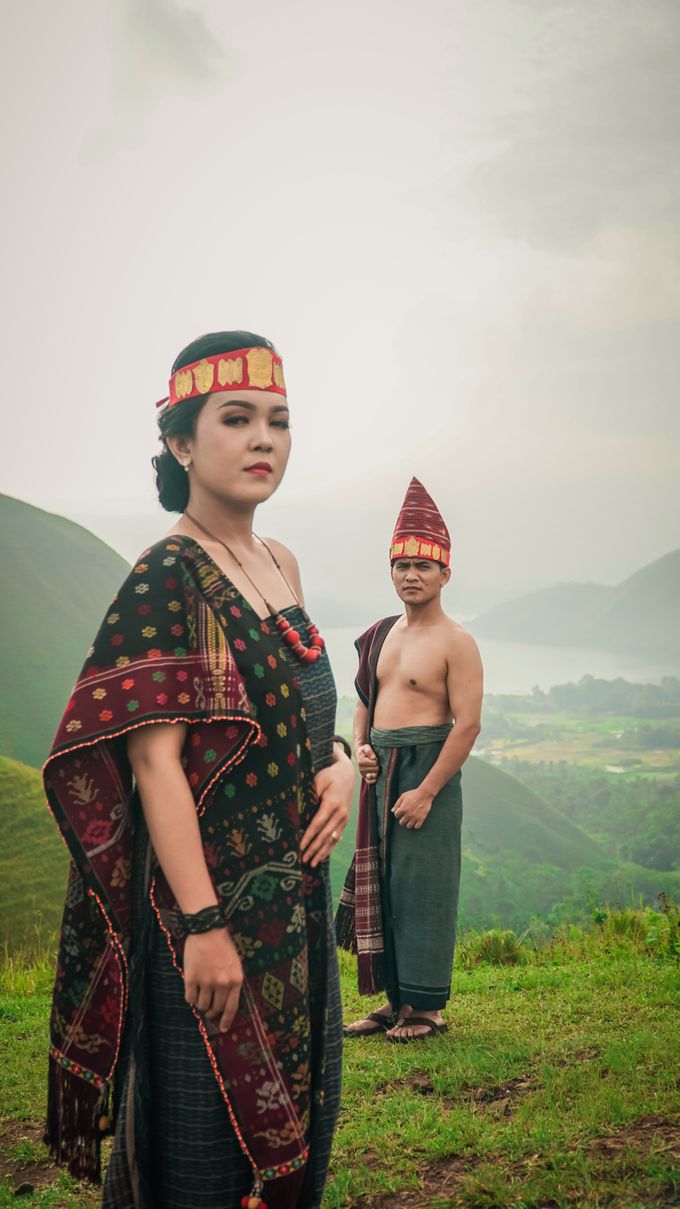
{"x": 240, "y": 447}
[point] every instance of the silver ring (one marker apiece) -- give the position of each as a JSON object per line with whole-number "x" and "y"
{"x": 335, "y": 837}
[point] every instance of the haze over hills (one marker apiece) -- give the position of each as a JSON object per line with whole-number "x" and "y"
{"x": 58, "y": 581}
{"x": 640, "y": 613}
{"x": 521, "y": 857}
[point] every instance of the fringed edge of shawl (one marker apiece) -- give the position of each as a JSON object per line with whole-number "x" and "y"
{"x": 371, "y": 973}
{"x": 72, "y": 1132}
{"x": 345, "y": 929}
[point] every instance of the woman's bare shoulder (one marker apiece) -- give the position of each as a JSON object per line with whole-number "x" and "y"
{"x": 287, "y": 560}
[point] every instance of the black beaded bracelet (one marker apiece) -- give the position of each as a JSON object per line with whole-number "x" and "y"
{"x": 344, "y": 745}
{"x": 203, "y": 921}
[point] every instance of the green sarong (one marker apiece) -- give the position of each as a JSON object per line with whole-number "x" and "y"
{"x": 419, "y": 869}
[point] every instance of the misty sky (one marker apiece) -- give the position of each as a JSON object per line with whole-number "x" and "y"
{"x": 457, "y": 221}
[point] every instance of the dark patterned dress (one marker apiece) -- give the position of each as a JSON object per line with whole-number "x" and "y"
{"x": 176, "y": 1143}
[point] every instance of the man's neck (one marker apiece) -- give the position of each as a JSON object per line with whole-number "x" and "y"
{"x": 423, "y": 615}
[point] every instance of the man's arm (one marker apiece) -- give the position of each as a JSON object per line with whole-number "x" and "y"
{"x": 465, "y": 685}
{"x": 360, "y": 726}
{"x": 363, "y": 752}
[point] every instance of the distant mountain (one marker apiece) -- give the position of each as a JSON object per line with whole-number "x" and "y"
{"x": 58, "y": 580}
{"x": 640, "y": 614}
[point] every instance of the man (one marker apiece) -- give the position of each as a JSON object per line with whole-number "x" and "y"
{"x": 418, "y": 673}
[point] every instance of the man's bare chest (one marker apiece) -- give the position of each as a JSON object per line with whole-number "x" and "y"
{"x": 412, "y": 662}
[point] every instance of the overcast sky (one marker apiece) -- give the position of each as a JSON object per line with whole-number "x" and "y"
{"x": 458, "y": 221}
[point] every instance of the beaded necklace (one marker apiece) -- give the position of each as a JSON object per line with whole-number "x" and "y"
{"x": 306, "y": 654}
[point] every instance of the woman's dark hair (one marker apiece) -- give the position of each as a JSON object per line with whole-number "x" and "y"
{"x": 172, "y": 481}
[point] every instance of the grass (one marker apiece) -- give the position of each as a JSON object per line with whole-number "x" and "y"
{"x": 33, "y": 860}
{"x": 556, "y": 1086}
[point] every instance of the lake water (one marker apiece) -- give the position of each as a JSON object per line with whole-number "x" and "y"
{"x": 513, "y": 667}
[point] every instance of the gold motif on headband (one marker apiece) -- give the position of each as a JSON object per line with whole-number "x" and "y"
{"x": 259, "y": 368}
{"x": 204, "y": 374}
{"x": 426, "y": 549}
{"x": 183, "y": 383}
{"x": 436, "y": 554}
{"x": 397, "y": 549}
{"x": 278, "y": 375}
{"x": 411, "y": 546}
{"x": 230, "y": 371}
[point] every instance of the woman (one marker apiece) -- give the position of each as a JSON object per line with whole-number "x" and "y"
{"x": 197, "y": 783}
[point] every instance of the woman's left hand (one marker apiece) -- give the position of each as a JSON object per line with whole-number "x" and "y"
{"x": 334, "y": 786}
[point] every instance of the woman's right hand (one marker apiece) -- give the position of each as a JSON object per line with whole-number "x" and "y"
{"x": 368, "y": 762}
{"x": 213, "y": 975}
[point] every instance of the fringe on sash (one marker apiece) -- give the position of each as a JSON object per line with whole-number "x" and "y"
{"x": 75, "y": 1111}
{"x": 345, "y": 916}
{"x": 371, "y": 966}
{"x": 371, "y": 973}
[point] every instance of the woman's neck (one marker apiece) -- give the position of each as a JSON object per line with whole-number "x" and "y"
{"x": 233, "y": 524}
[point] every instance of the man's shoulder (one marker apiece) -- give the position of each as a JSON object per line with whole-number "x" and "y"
{"x": 384, "y": 622}
{"x": 458, "y": 640}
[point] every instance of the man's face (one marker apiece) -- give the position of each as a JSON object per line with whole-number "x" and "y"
{"x": 418, "y": 580}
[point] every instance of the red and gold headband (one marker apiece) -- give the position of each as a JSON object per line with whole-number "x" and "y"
{"x": 420, "y": 547}
{"x": 243, "y": 369}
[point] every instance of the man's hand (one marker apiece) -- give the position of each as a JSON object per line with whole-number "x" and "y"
{"x": 368, "y": 762}
{"x": 213, "y": 975}
{"x": 412, "y": 808}
{"x": 334, "y": 786}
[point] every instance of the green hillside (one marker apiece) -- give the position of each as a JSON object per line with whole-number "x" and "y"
{"x": 638, "y": 614}
{"x": 58, "y": 581}
{"x": 522, "y": 858}
{"x": 503, "y": 816}
{"x": 33, "y": 860}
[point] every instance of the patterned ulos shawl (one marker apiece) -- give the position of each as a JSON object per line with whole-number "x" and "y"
{"x": 358, "y": 921}
{"x": 163, "y": 654}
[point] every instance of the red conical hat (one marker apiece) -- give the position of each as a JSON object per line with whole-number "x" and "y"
{"x": 420, "y": 531}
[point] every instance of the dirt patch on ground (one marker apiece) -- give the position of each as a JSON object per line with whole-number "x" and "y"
{"x": 573, "y": 1057}
{"x": 653, "y": 1133}
{"x": 445, "y": 1178}
{"x": 501, "y": 1098}
{"x": 440, "y": 1179}
{"x": 498, "y": 1098}
{"x": 29, "y": 1173}
{"x": 416, "y": 1081}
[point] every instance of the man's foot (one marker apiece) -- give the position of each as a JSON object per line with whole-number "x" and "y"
{"x": 417, "y": 1026}
{"x": 374, "y": 1022}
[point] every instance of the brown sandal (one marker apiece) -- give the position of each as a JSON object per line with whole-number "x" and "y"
{"x": 431, "y": 1025}
{"x": 381, "y": 1021}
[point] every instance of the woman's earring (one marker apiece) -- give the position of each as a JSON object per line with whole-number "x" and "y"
{"x": 186, "y": 465}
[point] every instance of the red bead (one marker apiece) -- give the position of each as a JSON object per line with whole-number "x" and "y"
{"x": 318, "y": 642}
{"x": 282, "y": 624}
{"x": 292, "y": 637}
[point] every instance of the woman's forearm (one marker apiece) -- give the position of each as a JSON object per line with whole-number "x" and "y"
{"x": 170, "y": 814}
